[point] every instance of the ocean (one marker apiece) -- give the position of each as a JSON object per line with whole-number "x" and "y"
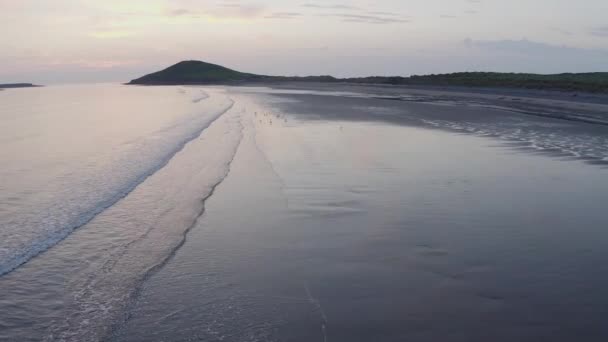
{"x": 256, "y": 214}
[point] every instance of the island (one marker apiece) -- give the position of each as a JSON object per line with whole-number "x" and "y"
{"x": 198, "y": 72}
{"x": 17, "y": 85}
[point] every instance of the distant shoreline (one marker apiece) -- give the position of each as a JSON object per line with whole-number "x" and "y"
{"x": 587, "y": 108}
{"x": 272, "y": 81}
{"x": 18, "y": 85}
{"x": 202, "y": 73}
{"x": 552, "y": 94}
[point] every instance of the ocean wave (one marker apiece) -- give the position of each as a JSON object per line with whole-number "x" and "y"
{"x": 78, "y": 199}
{"x": 163, "y": 210}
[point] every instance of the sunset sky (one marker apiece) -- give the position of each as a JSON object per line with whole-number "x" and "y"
{"x": 57, "y": 41}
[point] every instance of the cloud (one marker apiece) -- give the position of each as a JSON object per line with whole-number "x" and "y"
{"x": 527, "y": 47}
{"x": 283, "y": 15}
{"x": 562, "y": 31}
{"x": 243, "y": 10}
{"x": 600, "y": 31}
{"x": 370, "y": 19}
{"x": 237, "y": 10}
{"x": 111, "y": 34}
{"x": 367, "y": 18}
{"x": 530, "y": 55}
{"x": 391, "y": 14}
{"x": 178, "y": 12}
{"x": 222, "y": 10}
{"x": 332, "y": 7}
{"x": 111, "y": 28}
{"x": 355, "y": 14}
{"x": 474, "y": 3}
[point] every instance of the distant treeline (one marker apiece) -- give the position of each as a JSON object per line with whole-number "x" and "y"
{"x": 196, "y": 72}
{"x": 17, "y": 85}
{"x": 596, "y": 82}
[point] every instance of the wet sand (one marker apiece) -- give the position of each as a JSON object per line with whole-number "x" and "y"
{"x": 364, "y": 219}
{"x": 553, "y": 104}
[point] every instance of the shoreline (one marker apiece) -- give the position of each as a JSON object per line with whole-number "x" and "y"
{"x": 590, "y": 110}
{"x": 573, "y": 96}
{"x": 18, "y": 85}
{"x": 587, "y": 108}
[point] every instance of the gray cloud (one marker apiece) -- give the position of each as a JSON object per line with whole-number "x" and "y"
{"x": 529, "y": 55}
{"x": 354, "y": 14}
{"x": 600, "y": 31}
{"x": 333, "y": 7}
{"x": 351, "y": 14}
{"x": 179, "y": 12}
{"x": 236, "y": 9}
{"x": 369, "y": 19}
{"x": 391, "y": 14}
{"x": 225, "y": 9}
{"x": 283, "y": 15}
{"x": 475, "y": 4}
{"x": 527, "y": 47}
{"x": 562, "y": 31}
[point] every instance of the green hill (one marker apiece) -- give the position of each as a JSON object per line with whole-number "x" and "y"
{"x": 196, "y": 72}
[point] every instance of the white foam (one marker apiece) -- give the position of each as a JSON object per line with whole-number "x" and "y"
{"x": 94, "y": 178}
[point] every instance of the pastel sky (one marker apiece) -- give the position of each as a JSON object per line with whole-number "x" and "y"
{"x": 57, "y": 41}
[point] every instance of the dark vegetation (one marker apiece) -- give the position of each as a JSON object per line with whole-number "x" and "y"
{"x": 196, "y": 72}
{"x": 596, "y": 82}
{"x": 17, "y": 85}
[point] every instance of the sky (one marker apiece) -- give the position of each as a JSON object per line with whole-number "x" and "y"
{"x": 66, "y": 41}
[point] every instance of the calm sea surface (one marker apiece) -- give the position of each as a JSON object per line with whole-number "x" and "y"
{"x": 212, "y": 214}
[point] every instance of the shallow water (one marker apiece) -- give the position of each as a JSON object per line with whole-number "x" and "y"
{"x": 70, "y": 152}
{"x": 97, "y": 243}
{"x": 327, "y": 218}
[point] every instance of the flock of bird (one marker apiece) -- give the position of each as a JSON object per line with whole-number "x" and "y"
{"x": 267, "y": 117}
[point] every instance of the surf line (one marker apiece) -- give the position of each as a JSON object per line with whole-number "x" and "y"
{"x": 315, "y": 302}
{"x": 24, "y": 257}
{"x": 119, "y": 323}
